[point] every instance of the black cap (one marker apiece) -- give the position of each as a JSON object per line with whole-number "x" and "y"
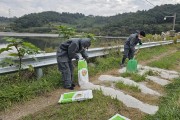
{"x": 142, "y": 33}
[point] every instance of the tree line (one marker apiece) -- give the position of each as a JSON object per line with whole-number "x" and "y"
{"x": 152, "y": 21}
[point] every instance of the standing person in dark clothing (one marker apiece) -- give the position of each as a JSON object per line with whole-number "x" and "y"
{"x": 129, "y": 46}
{"x": 65, "y": 53}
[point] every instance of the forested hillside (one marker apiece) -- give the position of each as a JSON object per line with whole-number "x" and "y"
{"x": 152, "y": 21}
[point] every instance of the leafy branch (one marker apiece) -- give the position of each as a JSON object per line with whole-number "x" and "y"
{"x": 22, "y": 48}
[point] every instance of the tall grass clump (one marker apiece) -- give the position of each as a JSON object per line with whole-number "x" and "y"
{"x": 169, "y": 107}
{"x": 22, "y": 90}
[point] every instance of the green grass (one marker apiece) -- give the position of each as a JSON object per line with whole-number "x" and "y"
{"x": 104, "y": 64}
{"x": 121, "y": 85}
{"x": 13, "y": 90}
{"x": 134, "y": 76}
{"x": 99, "y": 108}
{"x": 126, "y": 74}
{"x": 168, "y": 108}
{"x": 148, "y": 53}
{"x": 167, "y": 62}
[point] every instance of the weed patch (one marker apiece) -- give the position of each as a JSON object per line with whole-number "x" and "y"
{"x": 121, "y": 85}
{"x": 134, "y": 76}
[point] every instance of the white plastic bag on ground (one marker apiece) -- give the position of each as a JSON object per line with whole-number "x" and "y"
{"x": 76, "y": 96}
{"x": 83, "y": 76}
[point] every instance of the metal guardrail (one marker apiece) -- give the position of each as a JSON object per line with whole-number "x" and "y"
{"x": 46, "y": 59}
{"x": 14, "y": 34}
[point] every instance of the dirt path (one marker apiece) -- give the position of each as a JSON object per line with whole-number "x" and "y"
{"x": 33, "y": 106}
{"x": 154, "y": 58}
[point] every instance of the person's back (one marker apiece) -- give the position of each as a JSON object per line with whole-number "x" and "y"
{"x": 75, "y": 45}
{"x": 65, "y": 45}
{"x": 65, "y": 53}
{"x": 62, "y": 52}
{"x": 132, "y": 41}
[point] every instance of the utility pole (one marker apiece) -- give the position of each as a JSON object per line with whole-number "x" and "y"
{"x": 172, "y": 32}
{"x": 174, "y": 19}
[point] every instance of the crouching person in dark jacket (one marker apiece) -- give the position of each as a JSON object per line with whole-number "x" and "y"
{"x": 129, "y": 46}
{"x": 65, "y": 53}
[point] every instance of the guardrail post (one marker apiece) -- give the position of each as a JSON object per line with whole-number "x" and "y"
{"x": 39, "y": 72}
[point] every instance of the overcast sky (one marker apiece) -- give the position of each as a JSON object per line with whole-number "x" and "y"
{"x": 88, "y": 7}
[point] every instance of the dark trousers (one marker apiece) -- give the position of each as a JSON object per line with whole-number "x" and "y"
{"x": 66, "y": 68}
{"x": 128, "y": 53}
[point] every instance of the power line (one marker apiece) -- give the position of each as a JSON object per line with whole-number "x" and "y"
{"x": 155, "y": 6}
{"x": 150, "y": 3}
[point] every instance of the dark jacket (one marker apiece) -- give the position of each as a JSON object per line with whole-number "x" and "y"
{"x": 132, "y": 41}
{"x": 69, "y": 49}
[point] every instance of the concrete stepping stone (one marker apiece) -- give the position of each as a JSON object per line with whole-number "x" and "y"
{"x": 158, "y": 80}
{"x": 126, "y": 99}
{"x": 127, "y": 81}
{"x": 166, "y": 74}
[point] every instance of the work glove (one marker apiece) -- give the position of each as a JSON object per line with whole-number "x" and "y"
{"x": 76, "y": 57}
{"x": 86, "y": 58}
{"x": 140, "y": 43}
